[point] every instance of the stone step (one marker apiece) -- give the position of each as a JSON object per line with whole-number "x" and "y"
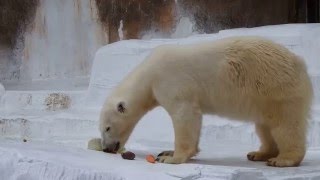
{"x": 49, "y": 126}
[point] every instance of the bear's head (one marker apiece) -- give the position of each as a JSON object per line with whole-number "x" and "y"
{"x": 117, "y": 120}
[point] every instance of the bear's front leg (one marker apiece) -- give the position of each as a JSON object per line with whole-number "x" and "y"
{"x": 187, "y": 125}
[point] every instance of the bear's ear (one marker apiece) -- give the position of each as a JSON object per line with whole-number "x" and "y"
{"x": 121, "y": 107}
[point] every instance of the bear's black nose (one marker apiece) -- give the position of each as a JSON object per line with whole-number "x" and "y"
{"x": 113, "y": 148}
{"x": 108, "y": 150}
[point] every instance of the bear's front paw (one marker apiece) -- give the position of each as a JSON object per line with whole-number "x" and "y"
{"x": 260, "y": 156}
{"x": 171, "y": 160}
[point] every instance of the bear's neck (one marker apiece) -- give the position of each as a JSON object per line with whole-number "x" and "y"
{"x": 137, "y": 92}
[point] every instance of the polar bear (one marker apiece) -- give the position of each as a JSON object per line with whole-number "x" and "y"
{"x": 246, "y": 78}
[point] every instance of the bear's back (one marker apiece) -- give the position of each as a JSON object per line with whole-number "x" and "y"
{"x": 262, "y": 67}
{"x": 251, "y": 65}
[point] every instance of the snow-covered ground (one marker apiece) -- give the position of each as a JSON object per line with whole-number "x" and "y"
{"x": 58, "y": 124}
{"x": 30, "y": 161}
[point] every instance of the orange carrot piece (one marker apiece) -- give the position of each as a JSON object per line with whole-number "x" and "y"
{"x": 150, "y": 159}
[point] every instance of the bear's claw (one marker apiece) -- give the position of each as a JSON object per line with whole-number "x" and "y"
{"x": 166, "y": 153}
{"x": 161, "y": 154}
{"x": 162, "y": 158}
{"x": 250, "y": 157}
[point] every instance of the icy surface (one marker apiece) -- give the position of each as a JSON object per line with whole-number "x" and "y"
{"x": 58, "y": 124}
{"x": 29, "y": 160}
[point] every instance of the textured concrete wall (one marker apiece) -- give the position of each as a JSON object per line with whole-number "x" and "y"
{"x": 59, "y": 44}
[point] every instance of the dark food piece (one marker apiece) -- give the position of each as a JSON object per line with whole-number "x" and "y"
{"x": 128, "y": 155}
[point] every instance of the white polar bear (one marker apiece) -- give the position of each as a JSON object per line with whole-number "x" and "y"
{"x": 245, "y": 78}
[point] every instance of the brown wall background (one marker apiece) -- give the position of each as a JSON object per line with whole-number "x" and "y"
{"x": 209, "y": 16}
{"x": 213, "y": 15}
{"x": 15, "y": 16}
{"x": 138, "y": 16}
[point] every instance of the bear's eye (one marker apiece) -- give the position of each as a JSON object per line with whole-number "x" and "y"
{"x": 107, "y": 129}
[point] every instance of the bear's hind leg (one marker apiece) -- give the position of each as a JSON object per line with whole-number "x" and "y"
{"x": 186, "y": 120}
{"x": 291, "y": 144}
{"x": 289, "y": 133}
{"x": 268, "y": 148}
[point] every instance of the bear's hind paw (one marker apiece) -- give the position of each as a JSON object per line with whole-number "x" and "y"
{"x": 282, "y": 162}
{"x": 260, "y": 156}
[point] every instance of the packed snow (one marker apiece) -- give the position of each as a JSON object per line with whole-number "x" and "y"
{"x": 58, "y": 124}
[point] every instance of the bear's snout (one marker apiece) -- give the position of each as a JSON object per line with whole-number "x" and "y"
{"x": 112, "y": 148}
